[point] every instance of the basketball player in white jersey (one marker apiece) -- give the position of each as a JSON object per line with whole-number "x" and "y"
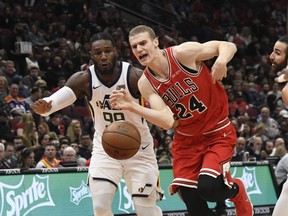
{"x": 97, "y": 83}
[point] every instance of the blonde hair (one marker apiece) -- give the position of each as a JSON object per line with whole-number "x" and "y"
{"x": 3, "y": 78}
{"x": 70, "y": 131}
{"x": 141, "y": 29}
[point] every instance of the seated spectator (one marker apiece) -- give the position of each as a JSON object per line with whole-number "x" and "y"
{"x": 239, "y": 149}
{"x": 9, "y": 72}
{"x": 49, "y": 160}
{"x": 4, "y": 164}
{"x": 85, "y": 147}
{"x": 267, "y": 149}
{"x": 36, "y": 93}
{"x": 26, "y": 159}
{"x": 55, "y": 123}
{"x": 30, "y": 79}
{"x": 63, "y": 144}
{"x": 17, "y": 105}
{"x": 10, "y": 154}
{"x": 5, "y": 127}
{"x": 254, "y": 148}
{"x": 74, "y": 131}
{"x": 3, "y": 87}
{"x": 80, "y": 160}
{"x": 42, "y": 129}
{"x": 163, "y": 156}
{"x": 69, "y": 158}
{"x": 61, "y": 83}
{"x": 272, "y": 126}
{"x": 279, "y": 146}
{"x": 39, "y": 153}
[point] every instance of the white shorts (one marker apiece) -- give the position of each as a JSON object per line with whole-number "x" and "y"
{"x": 140, "y": 172}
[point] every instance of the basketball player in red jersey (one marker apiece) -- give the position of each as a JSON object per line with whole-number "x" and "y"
{"x": 204, "y": 138}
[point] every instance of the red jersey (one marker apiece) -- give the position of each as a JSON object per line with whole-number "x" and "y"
{"x": 201, "y": 105}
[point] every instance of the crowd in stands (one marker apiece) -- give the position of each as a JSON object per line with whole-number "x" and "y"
{"x": 59, "y": 33}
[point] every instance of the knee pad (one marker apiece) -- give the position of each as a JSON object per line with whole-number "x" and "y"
{"x": 210, "y": 187}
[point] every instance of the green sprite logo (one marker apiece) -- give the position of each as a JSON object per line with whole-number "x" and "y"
{"x": 21, "y": 199}
{"x": 77, "y": 194}
{"x": 125, "y": 201}
{"x": 250, "y": 179}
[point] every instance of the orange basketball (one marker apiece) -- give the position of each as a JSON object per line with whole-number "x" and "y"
{"x": 121, "y": 140}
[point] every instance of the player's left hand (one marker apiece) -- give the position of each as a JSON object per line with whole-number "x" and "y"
{"x": 282, "y": 76}
{"x": 218, "y": 71}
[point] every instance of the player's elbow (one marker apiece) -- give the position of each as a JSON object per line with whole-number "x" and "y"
{"x": 168, "y": 124}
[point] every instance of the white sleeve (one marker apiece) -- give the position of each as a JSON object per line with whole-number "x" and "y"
{"x": 60, "y": 99}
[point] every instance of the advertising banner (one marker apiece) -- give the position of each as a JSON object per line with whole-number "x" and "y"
{"x": 63, "y": 191}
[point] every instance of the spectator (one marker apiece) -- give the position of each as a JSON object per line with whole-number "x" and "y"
{"x": 42, "y": 129}
{"x": 61, "y": 83}
{"x": 85, "y": 147}
{"x": 30, "y": 135}
{"x": 74, "y": 131}
{"x": 64, "y": 143}
{"x": 26, "y": 159}
{"x": 18, "y": 142}
{"x": 17, "y": 105}
{"x": 18, "y": 56}
{"x": 4, "y": 164}
{"x": 163, "y": 156}
{"x": 5, "y": 127}
{"x": 239, "y": 149}
{"x": 29, "y": 80}
{"x": 267, "y": 149}
{"x": 10, "y": 154}
{"x": 3, "y": 87}
{"x": 69, "y": 158}
{"x": 279, "y": 146}
{"x": 55, "y": 123}
{"x": 49, "y": 160}
{"x": 254, "y": 148}
{"x": 80, "y": 160}
{"x": 45, "y": 61}
{"x": 9, "y": 72}
{"x": 25, "y": 118}
{"x": 272, "y": 126}
{"x": 36, "y": 93}
{"x": 44, "y": 140}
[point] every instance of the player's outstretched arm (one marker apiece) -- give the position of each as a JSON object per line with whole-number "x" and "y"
{"x": 159, "y": 114}
{"x": 64, "y": 97}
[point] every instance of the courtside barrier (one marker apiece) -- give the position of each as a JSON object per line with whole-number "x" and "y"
{"x": 63, "y": 191}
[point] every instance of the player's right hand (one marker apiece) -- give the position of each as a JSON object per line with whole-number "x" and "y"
{"x": 282, "y": 76}
{"x": 41, "y": 106}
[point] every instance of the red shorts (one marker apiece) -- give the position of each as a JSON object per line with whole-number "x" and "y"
{"x": 204, "y": 154}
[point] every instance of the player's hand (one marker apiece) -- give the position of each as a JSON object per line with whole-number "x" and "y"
{"x": 282, "y": 76}
{"x": 120, "y": 99}
{"x": 218, "y": 71}
{"x": 41, "y": 106}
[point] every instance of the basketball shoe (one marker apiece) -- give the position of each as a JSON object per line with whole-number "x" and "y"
{"x": 241, "y": 201}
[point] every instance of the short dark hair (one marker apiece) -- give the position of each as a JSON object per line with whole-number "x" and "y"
{"x": 102, "y": 36}
{"x": 34, "y": 90}
{"x": 284, "y": 39}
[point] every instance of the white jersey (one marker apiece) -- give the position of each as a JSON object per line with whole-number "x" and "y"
{"x": 140, "y": 171}
{"x": 102, "y": 109}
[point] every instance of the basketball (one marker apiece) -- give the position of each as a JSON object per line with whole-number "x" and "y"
{"x": 121, "y": 140}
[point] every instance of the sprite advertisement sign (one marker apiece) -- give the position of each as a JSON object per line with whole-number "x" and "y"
{"x": 64, "y": 191}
